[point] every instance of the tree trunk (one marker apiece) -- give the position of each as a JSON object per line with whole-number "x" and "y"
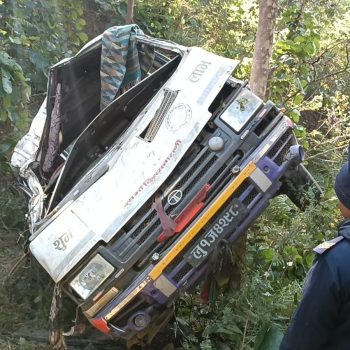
{"x": 258, "y": 84}
{"x": 130, "y": 14}
{"x": 263, "y": 47}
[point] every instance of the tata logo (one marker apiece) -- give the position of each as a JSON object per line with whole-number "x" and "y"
{"x": 198, "y": 71}
{"x": 174, "y": 197}
{"x": 178, "y": 117}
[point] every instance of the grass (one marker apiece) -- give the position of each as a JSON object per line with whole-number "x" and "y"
{"x": 25, "y": 288}
{"x": 19, "y": 285}
{"x": 21, "y": 344}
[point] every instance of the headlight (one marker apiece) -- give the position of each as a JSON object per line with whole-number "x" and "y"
{"x": 92, "y": 276}
{"x": 241, "y": 110}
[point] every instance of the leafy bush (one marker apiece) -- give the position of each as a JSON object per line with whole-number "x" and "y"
{"x": 14, "y": 91}
{"x": 33, "y": 35}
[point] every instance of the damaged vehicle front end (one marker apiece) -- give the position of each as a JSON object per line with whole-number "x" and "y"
{"x": 140, "y": 164}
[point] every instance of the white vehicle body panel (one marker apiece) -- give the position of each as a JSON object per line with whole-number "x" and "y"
{"x": 136, "y": 167}
{"x": 26, "y": 148}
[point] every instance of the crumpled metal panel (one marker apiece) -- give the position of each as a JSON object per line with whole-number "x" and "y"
{"x": 37, "y": 196}
{"x": 25, "y": 152}
{"x": 23, "y": 156}
{"x": 136, "y": 167}
{"x": 27, "y": 147}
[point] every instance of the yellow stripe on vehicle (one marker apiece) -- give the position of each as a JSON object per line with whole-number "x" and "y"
{"x": 188, "y": 236}
{"x": 204, "y": 219}
{"x": 106, "y": 298}
{"x": 127, "y": 299}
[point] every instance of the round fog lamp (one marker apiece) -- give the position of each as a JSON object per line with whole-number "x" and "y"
{"x": 141, "y": 320}
{"x": 216, "y": 144}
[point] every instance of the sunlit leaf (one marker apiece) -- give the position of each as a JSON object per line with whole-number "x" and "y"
{"x": 15, "y": 40}
{"x": 298, "y": 99}
{"x": 295, "y": 115}
{"x": 83, "y": 37}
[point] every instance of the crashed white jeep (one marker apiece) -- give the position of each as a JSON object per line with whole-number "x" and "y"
{"x": 133, "y": 185}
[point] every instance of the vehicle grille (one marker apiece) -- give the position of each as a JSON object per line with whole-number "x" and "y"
{"x": 138, "y": 241}
{"x": 180, "y": 271}
{"x": 141, "y": 232}
{"x": 280, "y": 149}
{"x": 168, "y": 99}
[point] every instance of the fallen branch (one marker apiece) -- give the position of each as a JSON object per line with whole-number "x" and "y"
{"x": 16, "y": 265}
{"x": 328, "y": 150}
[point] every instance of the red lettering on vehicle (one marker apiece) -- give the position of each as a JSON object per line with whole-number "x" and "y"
{"x": 151, "y": 179}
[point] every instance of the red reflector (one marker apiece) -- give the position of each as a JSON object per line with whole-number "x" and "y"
{"x": 101, "y": 325}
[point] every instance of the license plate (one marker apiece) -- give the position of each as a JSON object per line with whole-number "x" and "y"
{"x": 223, "y": 225}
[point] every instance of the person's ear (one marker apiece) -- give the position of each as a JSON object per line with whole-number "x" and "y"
{"x": 344, "y": 210}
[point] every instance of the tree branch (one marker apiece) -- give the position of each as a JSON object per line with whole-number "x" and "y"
{"x": 345, "y": 69}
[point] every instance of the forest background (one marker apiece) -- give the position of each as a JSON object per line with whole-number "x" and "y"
{"x": 308, "y": 77}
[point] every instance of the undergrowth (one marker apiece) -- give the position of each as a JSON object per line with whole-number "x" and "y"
{"x": 279, "y": 254}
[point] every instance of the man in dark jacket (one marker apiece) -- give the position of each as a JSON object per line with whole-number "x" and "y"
{"x": 322, "y": 319}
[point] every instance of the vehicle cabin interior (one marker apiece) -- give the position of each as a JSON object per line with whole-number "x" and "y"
{"x": 85, "y": 131}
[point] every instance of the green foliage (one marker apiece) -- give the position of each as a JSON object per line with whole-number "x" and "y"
{"x": 309, "y": 68}
{"x": 269, "y": 338}
{"x": 296, "y": 44}
{"x": 279, "y": 254}
{"x": 110, "y": 12}
{"x": 12, "y": 205}
{"x": 222, "y": 26}
{"x": 14, "y": 92}
{"x": 19, "y": 288}
{"x": 40, "y": 33}
{"x": 33, "y": 35}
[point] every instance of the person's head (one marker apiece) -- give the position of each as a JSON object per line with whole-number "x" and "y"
{"x": 342, "y": 189}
